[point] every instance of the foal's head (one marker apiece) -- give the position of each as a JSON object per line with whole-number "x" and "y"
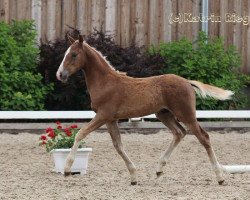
{"x": 74, "y": 59}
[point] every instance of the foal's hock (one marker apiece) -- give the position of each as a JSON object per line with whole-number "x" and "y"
{"x": 116, "y": 96}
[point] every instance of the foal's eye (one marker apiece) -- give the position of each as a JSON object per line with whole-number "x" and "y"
{"x": 74, "y": 55}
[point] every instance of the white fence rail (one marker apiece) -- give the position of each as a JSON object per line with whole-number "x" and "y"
{"x": 234, "y": 114}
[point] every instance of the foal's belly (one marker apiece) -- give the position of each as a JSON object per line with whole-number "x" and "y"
{"x": 132, "y": 111}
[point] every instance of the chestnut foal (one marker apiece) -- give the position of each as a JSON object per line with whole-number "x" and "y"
{"x": 116, "y": 96}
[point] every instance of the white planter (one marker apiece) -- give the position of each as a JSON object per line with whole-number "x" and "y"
{"x": 80, "y": 163}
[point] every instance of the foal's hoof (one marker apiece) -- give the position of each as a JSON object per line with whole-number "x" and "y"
{"x": 134, "y": 183}
{"x": 67, "y": 174}
{"x": 159, "y": 174}
{"x": 222, "y": 182}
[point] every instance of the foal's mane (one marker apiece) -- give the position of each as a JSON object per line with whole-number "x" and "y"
{"x": 103, "y": 58}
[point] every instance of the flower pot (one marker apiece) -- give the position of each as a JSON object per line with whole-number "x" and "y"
{"x": 80, "y": 163}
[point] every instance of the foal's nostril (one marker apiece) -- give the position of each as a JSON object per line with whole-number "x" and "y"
{"x": 64, "y": 75}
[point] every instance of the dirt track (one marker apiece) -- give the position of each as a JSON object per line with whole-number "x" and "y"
{"x": 26, "y": 170}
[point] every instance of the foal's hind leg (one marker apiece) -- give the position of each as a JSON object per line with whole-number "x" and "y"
{"x": 168, "y": 119}
{"x": 204, "y": 139}
{"x": 116, "y": 138}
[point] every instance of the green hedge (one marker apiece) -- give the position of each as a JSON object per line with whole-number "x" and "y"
{"x": 208, "y": 61}
{"x": 21, "y": 84}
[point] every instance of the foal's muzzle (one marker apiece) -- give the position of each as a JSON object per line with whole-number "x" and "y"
{"x": 63, "y": 76}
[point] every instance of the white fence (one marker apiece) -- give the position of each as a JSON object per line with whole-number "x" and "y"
{"x": 234, "y": 114}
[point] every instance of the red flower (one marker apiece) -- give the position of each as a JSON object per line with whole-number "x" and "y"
{"x": 52, "y": 134}
{"x": 58, "y": 123}
{"x": 49, "y": 130}
{"x": 43, "y": 137}
{"x": 73, "y": 126}
{"x": 44, "y": 142}
{"x": 68, "y": 132}
{"x": 59, "y": 127}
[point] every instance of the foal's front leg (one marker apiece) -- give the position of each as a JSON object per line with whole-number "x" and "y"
{"x": 116, "y": 138}
{"x": 95, "y": 123}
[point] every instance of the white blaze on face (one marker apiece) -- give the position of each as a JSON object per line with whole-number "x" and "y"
{"x": 60, "y": 69}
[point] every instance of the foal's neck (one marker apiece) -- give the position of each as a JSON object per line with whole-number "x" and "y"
{"x": 97, "y": 69}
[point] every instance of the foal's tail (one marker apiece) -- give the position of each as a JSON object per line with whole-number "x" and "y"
{"x": 205, "y": 90}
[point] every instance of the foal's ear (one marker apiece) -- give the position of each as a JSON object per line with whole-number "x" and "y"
{"x": 70, "y": 39}
{"x": 80, "y": 39}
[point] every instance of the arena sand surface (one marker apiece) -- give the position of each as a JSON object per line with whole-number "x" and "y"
{"x": 26, "y": 170}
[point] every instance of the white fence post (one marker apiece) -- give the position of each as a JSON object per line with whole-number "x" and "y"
{"x": 51, "y": 19}
{"x": 36, "y": 14}
{"x": 110, "y": 25}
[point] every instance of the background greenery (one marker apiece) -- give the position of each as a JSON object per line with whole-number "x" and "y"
{"x": 28, "y": 81}
{"x": 208, "y": 61}
{"x": 21, "y": 84}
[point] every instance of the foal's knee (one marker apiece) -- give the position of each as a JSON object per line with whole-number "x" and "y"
{"x": 178, "y": 136}
{"x": 206, "y": 144}
{"x": 205, "y": 140}
{"x": 79, "y": 136}
{"x": 118, "y": 148}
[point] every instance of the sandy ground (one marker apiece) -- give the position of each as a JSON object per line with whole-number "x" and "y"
{"x": 26, "y": 170}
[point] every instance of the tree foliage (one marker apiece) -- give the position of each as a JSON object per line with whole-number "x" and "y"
{"x": 21, "y": 84}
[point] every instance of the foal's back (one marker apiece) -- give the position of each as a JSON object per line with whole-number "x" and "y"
{"x": 143, "y": 96}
